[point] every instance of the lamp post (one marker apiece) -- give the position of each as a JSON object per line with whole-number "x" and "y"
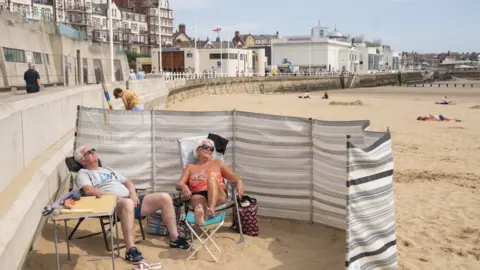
{"x": 160, "y": 67}
{"x": 195, "y": 54}
{"x": 310, "y": 56}
{"x": 110, "y": 27}
{"x": 218, "y": 30}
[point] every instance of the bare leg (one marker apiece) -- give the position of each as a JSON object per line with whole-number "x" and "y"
{"x": 212, "y": 187}
{"x": 125, "y": 211}
{"x": 161, "y": 201}
{"x": 199, "y": 204}
{"x": 216, "y": 195}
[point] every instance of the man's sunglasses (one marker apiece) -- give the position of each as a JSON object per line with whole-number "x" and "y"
{"x": 208, "y": 147}
{"x": 89, "y": 152}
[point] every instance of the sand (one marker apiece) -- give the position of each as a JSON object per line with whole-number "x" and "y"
{"x": 437, "y": 189}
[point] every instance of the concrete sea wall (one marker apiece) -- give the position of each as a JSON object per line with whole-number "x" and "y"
{"x": 261, "y": 85}
{"x": 467, "y": 75}
{"x": 37, "y": 135}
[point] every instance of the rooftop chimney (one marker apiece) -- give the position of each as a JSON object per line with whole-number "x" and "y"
{"x": 237, "y": 33}
{"x": 181, "y": 28}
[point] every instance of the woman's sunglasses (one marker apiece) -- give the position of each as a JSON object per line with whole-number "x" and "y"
{"x": 208, "y": 147}
{"x": 89, "y": 152}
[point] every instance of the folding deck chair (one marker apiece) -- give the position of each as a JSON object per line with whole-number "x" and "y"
{"x": 74, "y": 167}
{"x": 186, "y": 146}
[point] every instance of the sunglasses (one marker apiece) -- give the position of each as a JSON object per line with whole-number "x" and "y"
{"x": 89, "y": 152}
{"x": 208, "y": 147}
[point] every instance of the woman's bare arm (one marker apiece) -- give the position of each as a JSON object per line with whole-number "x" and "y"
{"x": 232, "y": 177}
{"x": 182, "y": 183}
{"x": 228, "y": 173}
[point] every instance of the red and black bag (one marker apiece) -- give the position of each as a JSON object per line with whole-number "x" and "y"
{"x": 248, "y": 216}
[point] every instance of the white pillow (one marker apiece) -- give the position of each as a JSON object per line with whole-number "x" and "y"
{"x": 186, "y": 146}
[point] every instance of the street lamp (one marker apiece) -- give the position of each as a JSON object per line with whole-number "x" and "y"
{"x": 218, "y": 30}
{"x": 110, "y": 26}
{"x": 195, "y": 54}
{"x": 160, "y": 67}
{"x": 309, "y": 56}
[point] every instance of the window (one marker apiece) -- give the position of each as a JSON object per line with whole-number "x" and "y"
{"x": 37, "y": 58}
{"x": 224, "y": 56}
{"x": 14, "y": 55}
{"x": 48, "y": 59}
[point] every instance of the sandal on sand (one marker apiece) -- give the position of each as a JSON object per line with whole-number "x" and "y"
{"x": 144, "y": 265}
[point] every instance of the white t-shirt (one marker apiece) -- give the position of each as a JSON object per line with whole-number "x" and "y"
{"x": 105, "y": 179}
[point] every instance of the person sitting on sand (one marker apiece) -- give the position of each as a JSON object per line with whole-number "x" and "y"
{"x": 203, "y": 182}
{"x": 306, "y": 95}
{"x": 93, "y": 180}
{"x": 444, "y": 101}
{"x": 325, "y": 96}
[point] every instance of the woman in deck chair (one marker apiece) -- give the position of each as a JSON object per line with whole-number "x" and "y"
{"x": 203, "y": 182}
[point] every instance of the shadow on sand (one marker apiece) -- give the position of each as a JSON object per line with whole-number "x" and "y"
{"x": 281, "y": 245}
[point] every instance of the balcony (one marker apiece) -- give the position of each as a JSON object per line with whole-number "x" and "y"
{"x": 98, "y": 38}
{"x": 76, "y": 8}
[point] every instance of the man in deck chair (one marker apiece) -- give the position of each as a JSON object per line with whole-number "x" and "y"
{"x": 203, "y": 182}
{"x": 94, "y": 180}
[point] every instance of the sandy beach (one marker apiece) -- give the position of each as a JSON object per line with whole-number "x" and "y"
{"x": 437, "y": 189}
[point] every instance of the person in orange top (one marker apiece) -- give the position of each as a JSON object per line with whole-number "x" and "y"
{"x": 129, "y": 98}
{"x": 203, "y": 182}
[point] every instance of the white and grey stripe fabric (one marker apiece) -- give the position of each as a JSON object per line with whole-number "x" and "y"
{"x": 371, "y": 238}
{"x": 123, "y": 140}
{"x": 273, "y": 155}
{"x": 295, "y": 167}
{"x": 329, "y": 161}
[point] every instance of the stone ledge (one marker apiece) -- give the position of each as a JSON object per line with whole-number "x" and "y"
{"x": 44, "y": 177}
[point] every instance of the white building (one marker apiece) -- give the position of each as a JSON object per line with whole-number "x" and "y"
{"x": 226, "y": 61}
{"x": 135, "y": 31}
{"x": 165, "y": 23}
{"x": 36, "y": 11}
{"x": 332, "y": 51}
{"x": 319, "y": 51}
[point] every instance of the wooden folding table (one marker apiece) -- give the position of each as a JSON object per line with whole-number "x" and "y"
{"x": 103, "y": 206}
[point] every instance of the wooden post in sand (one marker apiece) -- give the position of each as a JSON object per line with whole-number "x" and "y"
{"x": 388, "y": 129}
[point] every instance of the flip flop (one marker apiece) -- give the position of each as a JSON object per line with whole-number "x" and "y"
{"x": 144, "y": 265}
{"x": 210, "y": 213}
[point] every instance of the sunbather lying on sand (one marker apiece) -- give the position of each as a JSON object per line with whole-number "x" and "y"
{"x": 439, "y": 118}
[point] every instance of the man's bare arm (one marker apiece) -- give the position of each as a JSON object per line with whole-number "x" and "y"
{"x": 130, "y": 186}
{"x": 92, "y": 191}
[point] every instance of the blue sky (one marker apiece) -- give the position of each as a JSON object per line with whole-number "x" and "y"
{"x": 406, "y": 25}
